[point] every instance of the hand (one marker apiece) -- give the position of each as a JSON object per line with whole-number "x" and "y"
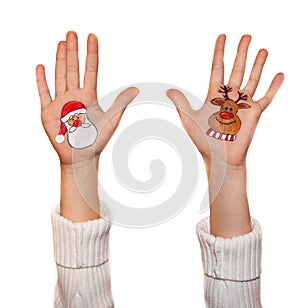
{"x": 75, "y": 124}
{"x": 198, "y": 122}
{"x": 64, "y": 126}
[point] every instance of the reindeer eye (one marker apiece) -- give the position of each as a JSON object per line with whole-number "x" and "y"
{"x": 231, "y": 109}
{"x": 226, "y": 108}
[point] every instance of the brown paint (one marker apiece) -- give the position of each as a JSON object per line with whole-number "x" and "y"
{"x": 226, "y": 120}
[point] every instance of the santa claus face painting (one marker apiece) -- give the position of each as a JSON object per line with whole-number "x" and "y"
{"x": 80, "y": 131}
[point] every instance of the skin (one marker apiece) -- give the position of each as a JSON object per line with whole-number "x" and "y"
{"x": 229, "y": 208}
{"x": 73, "y": 205}
{"x": 229, "y": 212}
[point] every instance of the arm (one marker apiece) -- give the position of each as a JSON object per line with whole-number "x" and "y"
{"x": 230, "y": 240}
{"x": 79, "y": 130}
{"x": 230, "y": 244}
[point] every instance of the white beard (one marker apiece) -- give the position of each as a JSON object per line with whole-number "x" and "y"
{"x": 82, "y": 136}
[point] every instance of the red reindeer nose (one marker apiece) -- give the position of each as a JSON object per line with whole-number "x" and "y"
{"x": 226, "y": 115}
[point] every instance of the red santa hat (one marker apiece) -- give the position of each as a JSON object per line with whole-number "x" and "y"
{"x": 68, "y": 110}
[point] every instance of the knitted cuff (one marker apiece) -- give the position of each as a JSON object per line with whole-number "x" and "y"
{"x": 236, "y": 259}
{"x": 80, "y": 245}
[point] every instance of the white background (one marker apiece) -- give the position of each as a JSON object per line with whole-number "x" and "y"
{"x": 163, "y": 41}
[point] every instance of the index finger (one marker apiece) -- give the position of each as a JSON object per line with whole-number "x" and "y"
{"x": 91, "y": 65}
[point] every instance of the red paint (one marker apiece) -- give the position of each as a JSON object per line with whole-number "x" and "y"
{"x": 226, "y": 115}
{"x": 77, "y": 123}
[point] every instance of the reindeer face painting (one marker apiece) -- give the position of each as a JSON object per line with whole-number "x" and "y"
{"x": 74, "y": 121}
{"x": 225, "y": 123}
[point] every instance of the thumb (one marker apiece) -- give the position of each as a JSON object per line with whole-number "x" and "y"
{"x": 123, "y": 99}
{"x": 180, "y": 101}
{"x": 115, "y": 112}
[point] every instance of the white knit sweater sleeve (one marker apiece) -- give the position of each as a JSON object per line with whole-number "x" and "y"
{"x": 81, "y": 252}
{"x": 232, "y": 267}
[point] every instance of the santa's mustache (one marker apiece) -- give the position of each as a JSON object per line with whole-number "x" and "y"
{"x": 77, "y": 124}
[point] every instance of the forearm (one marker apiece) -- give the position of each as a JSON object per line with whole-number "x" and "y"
{"x": 81, "y": 253}
{"x": 230, "y": 242}
{"x": 79, "y": 199}
{"x": 81, "y": 241}
{"x": 229, "y": 210}
{"x": 232, "y": 267}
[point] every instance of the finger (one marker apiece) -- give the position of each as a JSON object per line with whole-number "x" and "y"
{"x": 265, "y": 101}
{"x": 43, "y": 89}
{"x": 123, "y": 99}
{"x": 118, "y": 107}
{"x": 72, "y": 61}
{"x": 91, "y": 65}
{"x": 180, "y": 101}
{"x": 256, "y": 71}
{"x": 238, "y": 70}
{"x": 60, "y": 69}
{"x": 217, "y": 69}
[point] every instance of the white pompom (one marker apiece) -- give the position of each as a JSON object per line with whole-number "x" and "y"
{"x": 59, "y": 138}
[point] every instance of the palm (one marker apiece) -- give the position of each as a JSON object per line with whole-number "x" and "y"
{"x": 196, "y": 122}
{"x": 230, "y": 152}
{"x": 67, "y": 89}
{"x": 51, "y": 120}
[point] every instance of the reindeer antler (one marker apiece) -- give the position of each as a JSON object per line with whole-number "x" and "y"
{"x": 225, "y": 90}
{"x": 242, "y": 96}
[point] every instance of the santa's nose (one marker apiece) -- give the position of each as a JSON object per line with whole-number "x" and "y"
{"x": 77, "y": 123}
{"x": 226, "y": 115}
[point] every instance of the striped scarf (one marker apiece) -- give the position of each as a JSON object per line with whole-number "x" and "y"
{"x": 221, "y": 136}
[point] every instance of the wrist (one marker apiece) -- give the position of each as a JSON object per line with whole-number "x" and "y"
{"x": 221, "y": 169}
{"x": 74, "y": 168}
